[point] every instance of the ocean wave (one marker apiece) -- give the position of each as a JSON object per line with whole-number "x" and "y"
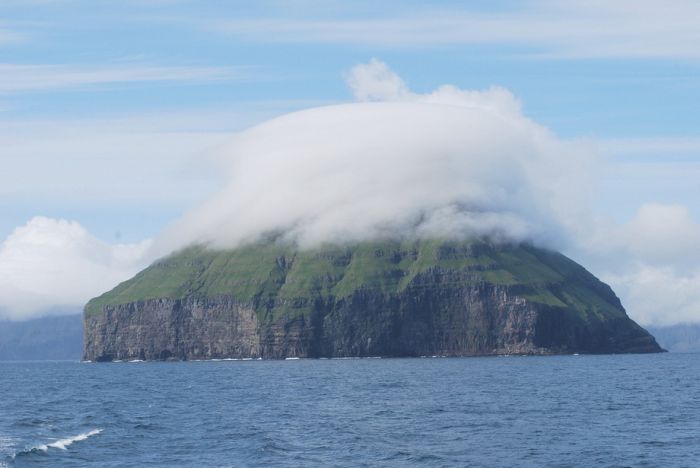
{"x": 61, "y": 444}
{"x": 7, "y": 445}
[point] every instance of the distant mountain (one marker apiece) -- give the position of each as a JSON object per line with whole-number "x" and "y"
{"x": 46, "y": 338}
{"x": 411, "y": 298}
{"x": 683, "y": 338}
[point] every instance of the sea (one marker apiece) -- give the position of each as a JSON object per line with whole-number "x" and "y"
{"x": 548, "y": 411}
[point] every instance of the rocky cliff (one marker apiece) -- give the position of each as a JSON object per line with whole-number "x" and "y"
{"x": 419, "y": 298}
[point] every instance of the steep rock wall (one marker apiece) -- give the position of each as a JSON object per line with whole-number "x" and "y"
{"x": 440, "y": 312}
{"x": 161, "y": 329}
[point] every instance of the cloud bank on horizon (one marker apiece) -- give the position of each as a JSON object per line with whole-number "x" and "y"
{"x": 451, "y": 163}
{"x": 54, "y": 266}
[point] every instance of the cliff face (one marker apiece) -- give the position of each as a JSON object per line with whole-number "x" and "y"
{"x": 172, "y": 329}
{"x": 379, "y": 299}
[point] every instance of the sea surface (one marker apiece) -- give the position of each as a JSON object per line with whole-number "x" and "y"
{"x": 621, "y": 410}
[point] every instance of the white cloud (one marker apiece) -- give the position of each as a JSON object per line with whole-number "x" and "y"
{"x": 22, "y": 78}
{"x": 51, "y": 264}
{"x": 375, "y": 81}
{"x": 579, "y": 29}
{"x": 662, "y": 235}
{"x": 452, "y": 162}
{"x": 652, "y": 262}
{"x": 659, "y": 296}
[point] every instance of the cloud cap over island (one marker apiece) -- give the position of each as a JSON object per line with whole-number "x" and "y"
{"x": 450, "y": 163}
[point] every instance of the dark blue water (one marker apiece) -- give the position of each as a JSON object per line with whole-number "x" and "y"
{"x": 634, "y": 410}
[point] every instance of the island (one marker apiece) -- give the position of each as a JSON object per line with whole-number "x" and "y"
{"x": 425, "y": 297}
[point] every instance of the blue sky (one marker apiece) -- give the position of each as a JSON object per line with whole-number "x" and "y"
{"x": 109, "y": 111}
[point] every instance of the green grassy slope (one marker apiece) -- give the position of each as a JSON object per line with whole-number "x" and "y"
{"x": 268, "y": 273}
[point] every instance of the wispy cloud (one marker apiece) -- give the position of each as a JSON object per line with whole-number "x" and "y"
{"x": 8, "y": 36}
{"x": 112, "y": 159}
{"x": 574, "y": 29}
{"x": 22, "y": 78}
{"x": 643, "y": 146}
{"x": 93, "y": 161}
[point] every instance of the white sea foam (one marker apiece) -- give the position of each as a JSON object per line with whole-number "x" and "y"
{"x": 291, "y": 359}
{"x": 63, "y": 444}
